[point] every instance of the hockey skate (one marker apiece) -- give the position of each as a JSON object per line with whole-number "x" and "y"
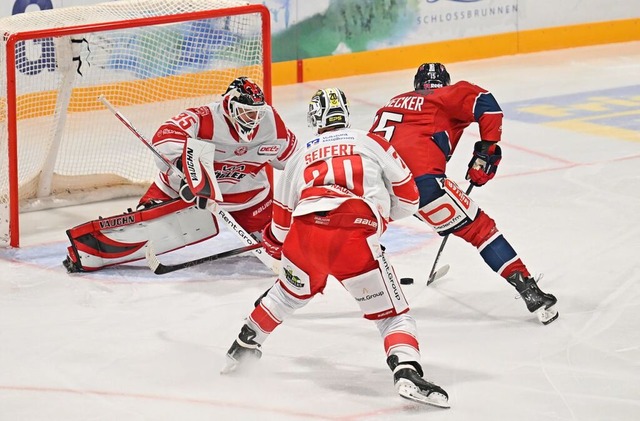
{"x": 243, "y": 350}
{"x": 538, "y": 302}
{"x": 407, "y": 377}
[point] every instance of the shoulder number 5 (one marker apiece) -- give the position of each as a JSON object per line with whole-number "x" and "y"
{"x": 386, "y": 126}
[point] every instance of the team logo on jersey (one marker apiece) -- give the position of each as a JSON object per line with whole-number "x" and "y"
{"x": 241, "y": 150}
{"x": 268, "y": 150}
{"x": 231, "y": 172}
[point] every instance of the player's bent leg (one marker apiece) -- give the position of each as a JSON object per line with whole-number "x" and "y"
{"x": 122, "y": 238}
{"x": 494, "y": 249}
{"x": 270, "y": 312}
{"x": 503, "y": 259}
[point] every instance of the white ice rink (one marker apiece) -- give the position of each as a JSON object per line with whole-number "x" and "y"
{"x": 125, "y": 344}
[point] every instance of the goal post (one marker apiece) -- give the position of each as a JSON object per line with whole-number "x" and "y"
{"x": 59, "y": 145}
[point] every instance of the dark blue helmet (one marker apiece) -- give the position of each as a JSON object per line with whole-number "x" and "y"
{"x": 431, "y": 76}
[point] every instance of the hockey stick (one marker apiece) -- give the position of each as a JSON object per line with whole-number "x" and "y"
{"x": 437, "y": 274}
{"x": 224, "y": 215}
{"x": 160, "y": 269}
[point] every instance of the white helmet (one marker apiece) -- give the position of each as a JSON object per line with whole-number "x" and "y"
{"x": 244, "y": 106}
{"x": 328, "y": 108}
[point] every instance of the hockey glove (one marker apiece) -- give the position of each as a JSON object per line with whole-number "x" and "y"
{"x": 271, "y": 245}
{"x": 483, "y": 165}
{"x": 187, "y": 195}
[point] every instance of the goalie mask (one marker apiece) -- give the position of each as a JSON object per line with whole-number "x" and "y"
{"x": 431, "y": 76}
{"x": 328, "y": 108}
{"x": 244, "y": 106}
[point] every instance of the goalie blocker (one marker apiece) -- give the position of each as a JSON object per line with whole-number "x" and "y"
{"x": 121, "y": 239}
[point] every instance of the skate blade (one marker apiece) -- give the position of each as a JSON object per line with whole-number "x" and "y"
{"x": 231, "y": 366}
{"x": 410, "y": 391}
{"x": 547, "y": 315}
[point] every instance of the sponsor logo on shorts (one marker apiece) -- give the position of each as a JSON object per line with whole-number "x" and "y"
{"x": 261, "y": 208}
{"x": 366, "y": 296}
{"x": 457, "y": 193}
{"x": 365, "y": 221}
{"x": 292, "y": 279}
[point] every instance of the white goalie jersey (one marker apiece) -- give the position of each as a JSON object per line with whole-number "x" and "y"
{"x": 239, "y": 166}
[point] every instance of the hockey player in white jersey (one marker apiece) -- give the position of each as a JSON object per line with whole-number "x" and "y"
{"x": 240, "y": 136}
{"x": 333, "y": 202}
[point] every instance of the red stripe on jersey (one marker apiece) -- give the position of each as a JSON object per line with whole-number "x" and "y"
{"x": 264, "y": 319}
{"x": 395, "y": 339}
{"x": 205, "y": 122}
{"x": 281, "y": 215}
{"x": 169, "y": 132}
{"x": 407, "y": 191}
{"x": 490, "y": 126}
{"x": 380, "y": 140}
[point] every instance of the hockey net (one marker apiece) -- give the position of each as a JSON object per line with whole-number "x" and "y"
{"x": 150, "y": 58}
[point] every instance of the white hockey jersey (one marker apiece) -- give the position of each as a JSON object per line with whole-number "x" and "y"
{"x": 339, "y": 165}
{"x": 239, "y": 166}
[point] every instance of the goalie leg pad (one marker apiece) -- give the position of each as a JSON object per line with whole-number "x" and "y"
{"x": 451, "y": 210}
{"x": 122, "y": 238}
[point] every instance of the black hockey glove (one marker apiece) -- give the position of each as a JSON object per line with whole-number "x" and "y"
{"x": 484, "y": 163}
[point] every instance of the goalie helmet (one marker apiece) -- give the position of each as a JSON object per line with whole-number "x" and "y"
{"x": 431, "y": 76}
{"x": 244, "y": 106}
{"x": 328, "y": 108}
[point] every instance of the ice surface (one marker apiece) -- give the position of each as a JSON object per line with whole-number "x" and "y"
{"x": 125, "y": 344}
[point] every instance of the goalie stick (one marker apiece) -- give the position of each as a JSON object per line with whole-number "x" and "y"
{"x": 160, "y": 269}
{"x": 224, "y": 215}
{"x": 437, "y": 274}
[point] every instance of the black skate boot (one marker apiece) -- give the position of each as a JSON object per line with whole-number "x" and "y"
{"x": 407, "y": 377}
{"x": 244, "y": 349}
{"x": 538, "y": 302}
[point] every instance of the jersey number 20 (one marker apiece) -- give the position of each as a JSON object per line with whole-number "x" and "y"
{"x": 346, "y": 171}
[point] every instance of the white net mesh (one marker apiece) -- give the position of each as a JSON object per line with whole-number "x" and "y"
{"x": 71, "y": 149}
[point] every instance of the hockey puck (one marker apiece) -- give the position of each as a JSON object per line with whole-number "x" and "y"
{"x": 406, "y": 281}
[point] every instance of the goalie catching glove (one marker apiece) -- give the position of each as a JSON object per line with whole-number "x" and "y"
{"x": 271, "y": 245}
{"x": 483, "y": 165}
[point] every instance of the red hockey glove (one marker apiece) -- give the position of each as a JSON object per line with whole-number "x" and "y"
{"x": 271, "y": 245}
{"x": 483, "y": 165}
{"x": 187, "y": 195}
